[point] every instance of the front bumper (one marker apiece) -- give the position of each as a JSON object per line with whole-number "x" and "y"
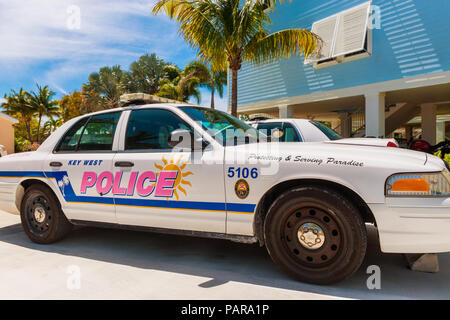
{"x": 413, "y": 225}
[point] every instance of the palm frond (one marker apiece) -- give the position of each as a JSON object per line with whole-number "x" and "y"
{"x": 198, "y": 25}
{"x": 169, "y": 91}
{"x": 266, "y": 48}
{"x": 226, "y": 33}
{"x": 197, "y": 95}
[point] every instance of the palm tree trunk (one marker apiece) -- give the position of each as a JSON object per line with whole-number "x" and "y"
{"x": 28, "y": 127}
{"x": 212, "y": 98}
{"x": 38, "y": 128}
{"x": 234, "y": 92}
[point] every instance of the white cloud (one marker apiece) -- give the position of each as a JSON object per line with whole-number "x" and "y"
{"x": 40, "y": 29}
{"x": 2, "y": 100}
{"x": 36, "y": 30}
{"x": 111, "y": 32}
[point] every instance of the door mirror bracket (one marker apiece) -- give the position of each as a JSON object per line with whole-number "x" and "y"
{"x": 184, "y": 139}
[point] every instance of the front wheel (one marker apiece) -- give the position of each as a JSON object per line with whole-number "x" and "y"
{"x": 42, "y": 218}
{"x": 315, "y": 235}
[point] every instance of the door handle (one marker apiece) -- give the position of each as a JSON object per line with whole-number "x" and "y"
{"x": 125, "y": 164}
{"x": 55, "y": 164}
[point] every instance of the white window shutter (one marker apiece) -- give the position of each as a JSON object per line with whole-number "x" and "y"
{"x": 352, "y": 30}
{"x": 325, "y": 29}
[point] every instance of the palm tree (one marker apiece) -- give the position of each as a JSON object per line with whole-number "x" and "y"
{"x": 41, "y": 102}
{"x": 184, "y": 85}
{"x": 144, "y": 75}
{"x": 107, "y": 83}
{"x": 168, "y": 90}
{"x": 194, "y": 74}
{"x": 173, "y": 90}
{"x": 229, "y": 32}
{"x": 208, "y": 78}
{"x": 51, "y": 125}
{"x": 171, "y": 72}
{"x": 217, "y": 81}
{"x": 17, "y": 104}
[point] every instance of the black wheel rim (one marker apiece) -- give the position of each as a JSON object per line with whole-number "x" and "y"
{"x": 39, "y": 214}
{"x": 313, "y": 236}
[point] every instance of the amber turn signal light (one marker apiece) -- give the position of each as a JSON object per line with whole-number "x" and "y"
{"x": 410, "y": 185}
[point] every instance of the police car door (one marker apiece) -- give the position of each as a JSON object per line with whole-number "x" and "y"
{"x": 80, "y": 168}
{"x": 162, "y": 186}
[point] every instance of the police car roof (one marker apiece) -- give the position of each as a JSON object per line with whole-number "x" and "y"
{"x": 137, "y": 107}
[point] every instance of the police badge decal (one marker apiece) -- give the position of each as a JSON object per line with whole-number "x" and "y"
{"x": 242, "y": 189}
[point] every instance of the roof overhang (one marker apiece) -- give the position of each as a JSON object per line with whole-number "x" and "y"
{"x": 10, "y": 119}
{"x": 432, "y": 88}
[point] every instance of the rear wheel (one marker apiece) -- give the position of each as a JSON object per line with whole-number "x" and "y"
{"x": 42, "y": 218}
{"x": 315, "y": 235}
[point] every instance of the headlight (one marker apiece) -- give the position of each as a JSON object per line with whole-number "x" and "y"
{"x": 419, "y": 185}
{"x": 446, "y": 174}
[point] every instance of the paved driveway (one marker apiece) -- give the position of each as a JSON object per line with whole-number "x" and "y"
{"x": 116, "y": 264}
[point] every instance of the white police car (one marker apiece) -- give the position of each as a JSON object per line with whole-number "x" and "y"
{"x": 306, "y": 202}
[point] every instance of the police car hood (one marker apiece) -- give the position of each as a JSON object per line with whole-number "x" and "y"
{"x": 365, "y": 142}
{"x": 396, "y": 158}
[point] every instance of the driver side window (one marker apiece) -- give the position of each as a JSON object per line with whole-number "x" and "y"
{"x": 150, "y": 129}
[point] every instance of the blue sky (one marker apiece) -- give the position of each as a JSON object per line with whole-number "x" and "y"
{"x": 42, "y": 41}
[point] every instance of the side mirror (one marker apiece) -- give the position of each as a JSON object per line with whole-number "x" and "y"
{"x": 185, "y": 139}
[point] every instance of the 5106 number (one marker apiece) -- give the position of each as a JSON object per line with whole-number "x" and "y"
{"x": 242, "y": 172}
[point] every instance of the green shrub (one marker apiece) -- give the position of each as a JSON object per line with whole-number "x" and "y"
{"x": 447, "y": 157}
{"x": 20, "y": 144}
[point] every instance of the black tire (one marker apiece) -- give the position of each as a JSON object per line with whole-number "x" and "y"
{"x": 315, "y": 235}
{"x": 42, "y": 218}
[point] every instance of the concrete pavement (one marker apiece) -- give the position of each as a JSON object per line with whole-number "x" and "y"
{"x": 117, "y": 264}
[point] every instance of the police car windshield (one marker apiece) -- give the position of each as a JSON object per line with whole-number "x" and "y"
{"x": 226, "y": 129}
{"x": 330, "y": 133}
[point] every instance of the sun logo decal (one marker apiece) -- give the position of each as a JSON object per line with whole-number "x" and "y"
{"x": 178, "y": 166}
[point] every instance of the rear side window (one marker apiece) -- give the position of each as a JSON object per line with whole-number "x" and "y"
{"x": 270, "y": 128}
{"x": 330, "y": 133}
{"x": 70, "y": 140}
{"x": 284, "y": 132}
{"x": 150, "y": 129}
{"x": 290, "y": 133}
{"x": 99, "y": 132}
{"x": 91, "y": 134}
